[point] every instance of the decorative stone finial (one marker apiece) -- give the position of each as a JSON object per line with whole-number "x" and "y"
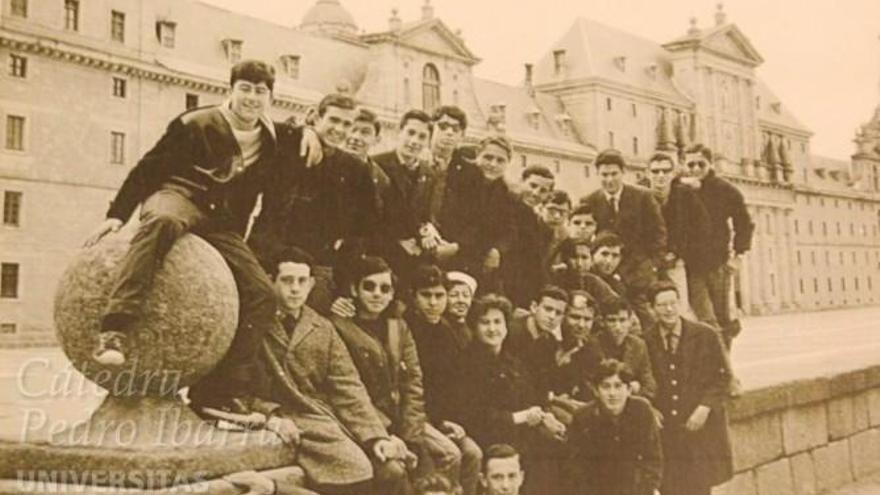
{"x": 693, "y": 30}
{"x": 394, "y": 22}
{"x": 427, "y": 11}
{"x": 720, "y": 16}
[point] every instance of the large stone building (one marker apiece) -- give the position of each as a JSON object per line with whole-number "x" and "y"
{"x": 87, "y": 87}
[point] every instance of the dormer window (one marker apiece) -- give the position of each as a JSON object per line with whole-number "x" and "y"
{"x": 165, "y": 33}
{"x": 564, "y": 122}
{"x": 620, "y": 63}
{"x": 559, "y": 62}
{"x": 652, "y": 71}
{"x": 232, "y": 47}
{"x": 290, "y": 64}
{"x": 534, "y": 118}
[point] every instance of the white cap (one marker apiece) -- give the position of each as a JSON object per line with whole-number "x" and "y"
{"x": 463, "y": 278}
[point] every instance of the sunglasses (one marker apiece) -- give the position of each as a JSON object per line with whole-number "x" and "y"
{"x": 700, "y": 164}
{"x": 445, "y": 126}
{"x": 370, "y": 286}
{"x": 658, "y": 171}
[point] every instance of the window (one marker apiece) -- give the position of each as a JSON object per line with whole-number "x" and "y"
{"x": 810, "y": 227}
{"x": 407, "y": 96}
{"x": 635, "y": 146}
{"x": 610, "y": 139}
{"x": 769, "y": 222}
{"x": 827, "y": 258}
{"x": 430, "y": 88}
{"x": 840, "y": 258}
{"x": 455, "y": 97}
{"x": 17, "y": 66}
{"x": 852, "y": 229}
{"x": 824, "y": 229}
{"x": 117, "y": 148}
{"x": 117, "y": 26}
{"x": 232, "y": 47}
{"x": 119, "y": 87}
{"x": 856, "y": 281}
{"x": 558, "y": 62}
{"x": 192, "y": 101}
{"x": 166, "y": 33}
{"x": 838, "y": 228}
{"x": 71, "y": 15}
{"x": 608, "y": 103}
{"x": 9, "y": 280}
{"x": 290, "y": 64}
{"x": 843, "y": 284}
{"x": 772, "y": 285}
{"x": 830, "y": 287}
{"x": 813, "y": 258}
{"x": 19, "y": 8}
{"x": 798, "y": 257}
{"x": 796, "y": 227}
{"x": 557, "y": 166}
{"x": 587, "y": 170}
{"x": 7, "y": 328}
{"x": 815, "y": 284}
{"x": 635, "y": 110}
{"x": 524, "y": 161}
{"x": 12, "y": 208}
{"x": 14, "y": 132}
{"x": 801, "y": 283}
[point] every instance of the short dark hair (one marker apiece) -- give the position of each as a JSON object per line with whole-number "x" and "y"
{"x": 539, "y": 170}
{"x": 659, "y": 287}
{"x": 568, "y": 247}
{"x": 559, "y": 197}
{"x": 610, "y": 157}
{"x": 552, "y": 292}
{"x": 432, "y": 483}
{"x": 608, "y": 368}
{"x": 500, "y": 141}
{"x": 290, "y": 254}
{"x": 581, "y": 209}
{"x": 428, "y": 276}
{"x": 661, "y": 156}
{"x": 254, "y": 71}
{"x": 606, "y": 238}
{"x": 498, "y": 451}
{"x": 365, "y": 266}
{"x": 453, "y": 112}
{"x": 337, "y": 100}
{"x": 701, "y": 149}
{"x": 615, "y": 305}
{"x": 483, "y": 304}
{"x": 416, "y": 114}
{"x": 369, "y": 117}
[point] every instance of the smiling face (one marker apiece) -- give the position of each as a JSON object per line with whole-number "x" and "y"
{"x": 548, "y": 313}
{"x": 373, "y": 294}
{"x": 607, "y": 259}
{"x": 412, "y": 139}
{"x": 611, "y": 177}
{"x": 248, "y": 101}
{"x": 536, "y": 189}
{"x": 361, "y": 137}
{"x": 430, "y": 302}
{"x": 460, "y": 300}
{"x": 491, "y": 329}
{"x": 448, "y": 133}
{"x": 293, "y": 285}
{"x": 493, "y": 160}
{"x": 613, "y": 393}
{"x": 666, "y": 308}
{"x": 334, "y": 125}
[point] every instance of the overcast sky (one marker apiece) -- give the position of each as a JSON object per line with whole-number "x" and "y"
{"x": 822, "y": 57}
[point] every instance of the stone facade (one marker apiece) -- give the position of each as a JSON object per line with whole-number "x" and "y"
{"x": 85, "y": 92}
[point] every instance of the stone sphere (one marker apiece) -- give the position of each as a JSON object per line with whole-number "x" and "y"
{"x": 185, "y": 326}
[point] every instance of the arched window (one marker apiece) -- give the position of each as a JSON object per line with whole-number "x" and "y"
{"x": 430, "y": 88}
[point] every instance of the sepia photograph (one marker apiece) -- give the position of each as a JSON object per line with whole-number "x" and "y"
{"x": 440, "y": 247}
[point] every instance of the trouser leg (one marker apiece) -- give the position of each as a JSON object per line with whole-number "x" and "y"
{"x": 471, "y": 459}
{"x": 699, "y": 296}
{"x": 165, "y": 217}
{"x": 444, "y": 453}
{"x": 238, "y": 373}
{"x": 719, "y": 293}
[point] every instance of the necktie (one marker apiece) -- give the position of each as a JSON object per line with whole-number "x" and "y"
{"x": 671, "y": 342}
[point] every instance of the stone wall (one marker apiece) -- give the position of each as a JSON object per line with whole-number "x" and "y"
{"x": 806, "y": 437}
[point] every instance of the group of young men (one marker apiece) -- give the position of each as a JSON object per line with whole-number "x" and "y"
{"x": 449, "y": 227}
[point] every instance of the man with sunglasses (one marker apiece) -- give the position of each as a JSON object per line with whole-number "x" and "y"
{"x": 709, "y": 273}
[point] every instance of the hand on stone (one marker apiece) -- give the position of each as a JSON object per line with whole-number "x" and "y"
{"x": 108, "y": 226}
{"x": 252, "y": 482}
{"x": 285, "y": 428}
{"x": 698, "y": 418}
{"x": 310, "y": 147}
{"x": 343, "y": 307}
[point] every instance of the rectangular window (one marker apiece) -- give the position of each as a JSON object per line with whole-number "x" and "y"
{"x": 830, "y": 287}
{"x": 192, "y": 101}
{"x": 769, "y": 222}
{"x": 71, "y": 15}
{"x": 12, "y": 208}
{"x": 813, "y": 258}
{"x": 635, "y": 146}
{"x": 852, "y": 229}
{"x": 524, "y": 160}
{"x": 801, "y": 283}
{"x": 810, "y": 227}
{"x": 15, "y": 132}
{"x": 119, "y": 87}
{"x": 838, "y": 228}
{"x": 635, "y": 110}
{"x": 798, "y": 257}
{"x": 797, "y": 229}
{"x": 824, "y": 229}
{"x": 117, "y": 26}
{"x": 843, "y": 284}
{"x": 772, "y": 285}
{"x": 19, "y": 8}
{"x": 166, "y": 33}
{"x": 608, "y": 104}
{"x": 17, "y": 66}
{"x": 117, "y": 148}
{"x": 558, "y": 62}
{"x": 290, "y": 63}
{"x": 9, "y": 280}
{"x": 7, "y": 328}
{"x": 610, "y": 139}
{"x": 557, "y": 166}
{"x": 856, "y": 281}
{"x": 815, "y": 285}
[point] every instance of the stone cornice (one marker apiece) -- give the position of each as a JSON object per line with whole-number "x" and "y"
{"x": 615, "y": 87}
